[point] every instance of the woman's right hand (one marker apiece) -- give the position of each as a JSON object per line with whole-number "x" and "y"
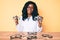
{"x": 15, "y": 19}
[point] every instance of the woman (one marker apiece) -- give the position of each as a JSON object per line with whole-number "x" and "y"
{"x": 30, "y": 21}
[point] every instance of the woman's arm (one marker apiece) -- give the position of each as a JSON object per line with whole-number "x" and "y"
{"x": 18, "y": 23}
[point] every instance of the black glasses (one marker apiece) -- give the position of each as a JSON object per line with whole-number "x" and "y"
{"x": 15, "y": 36}
{"x": 32, "y": 35}
{"x": 47, "y": 36}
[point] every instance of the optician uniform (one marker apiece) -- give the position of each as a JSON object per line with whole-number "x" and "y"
{"x": 29, "y": 25}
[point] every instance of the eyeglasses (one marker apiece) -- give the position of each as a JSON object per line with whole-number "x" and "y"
{"x": 47, "y": 36}
{"x": 15, "y": 36}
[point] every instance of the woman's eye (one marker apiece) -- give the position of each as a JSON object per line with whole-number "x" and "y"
{"x": 30, "y": 7}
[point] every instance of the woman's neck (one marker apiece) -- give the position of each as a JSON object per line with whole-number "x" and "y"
{"x": 29, "y": 15}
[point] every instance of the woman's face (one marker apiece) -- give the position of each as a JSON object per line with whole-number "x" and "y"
{"x": 30, "y": 9}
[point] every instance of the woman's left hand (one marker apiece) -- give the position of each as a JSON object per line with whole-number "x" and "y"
{"x": 40, "y": 21}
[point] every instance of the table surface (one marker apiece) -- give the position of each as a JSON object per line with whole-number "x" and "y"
{"x": 6, "y": 35}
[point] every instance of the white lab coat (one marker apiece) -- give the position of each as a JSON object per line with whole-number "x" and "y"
{"x": 28, "y": 25}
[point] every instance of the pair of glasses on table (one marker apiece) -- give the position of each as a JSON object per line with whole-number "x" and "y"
{"x": 47, "y": 36}
{"x": 16, "y": 36}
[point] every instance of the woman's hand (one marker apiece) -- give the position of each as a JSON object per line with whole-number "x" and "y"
{"x": 40, "y": 21}
{"x": 15, "y": 19}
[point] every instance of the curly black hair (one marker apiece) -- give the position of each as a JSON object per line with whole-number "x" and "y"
{"x": 24, "y": 11}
